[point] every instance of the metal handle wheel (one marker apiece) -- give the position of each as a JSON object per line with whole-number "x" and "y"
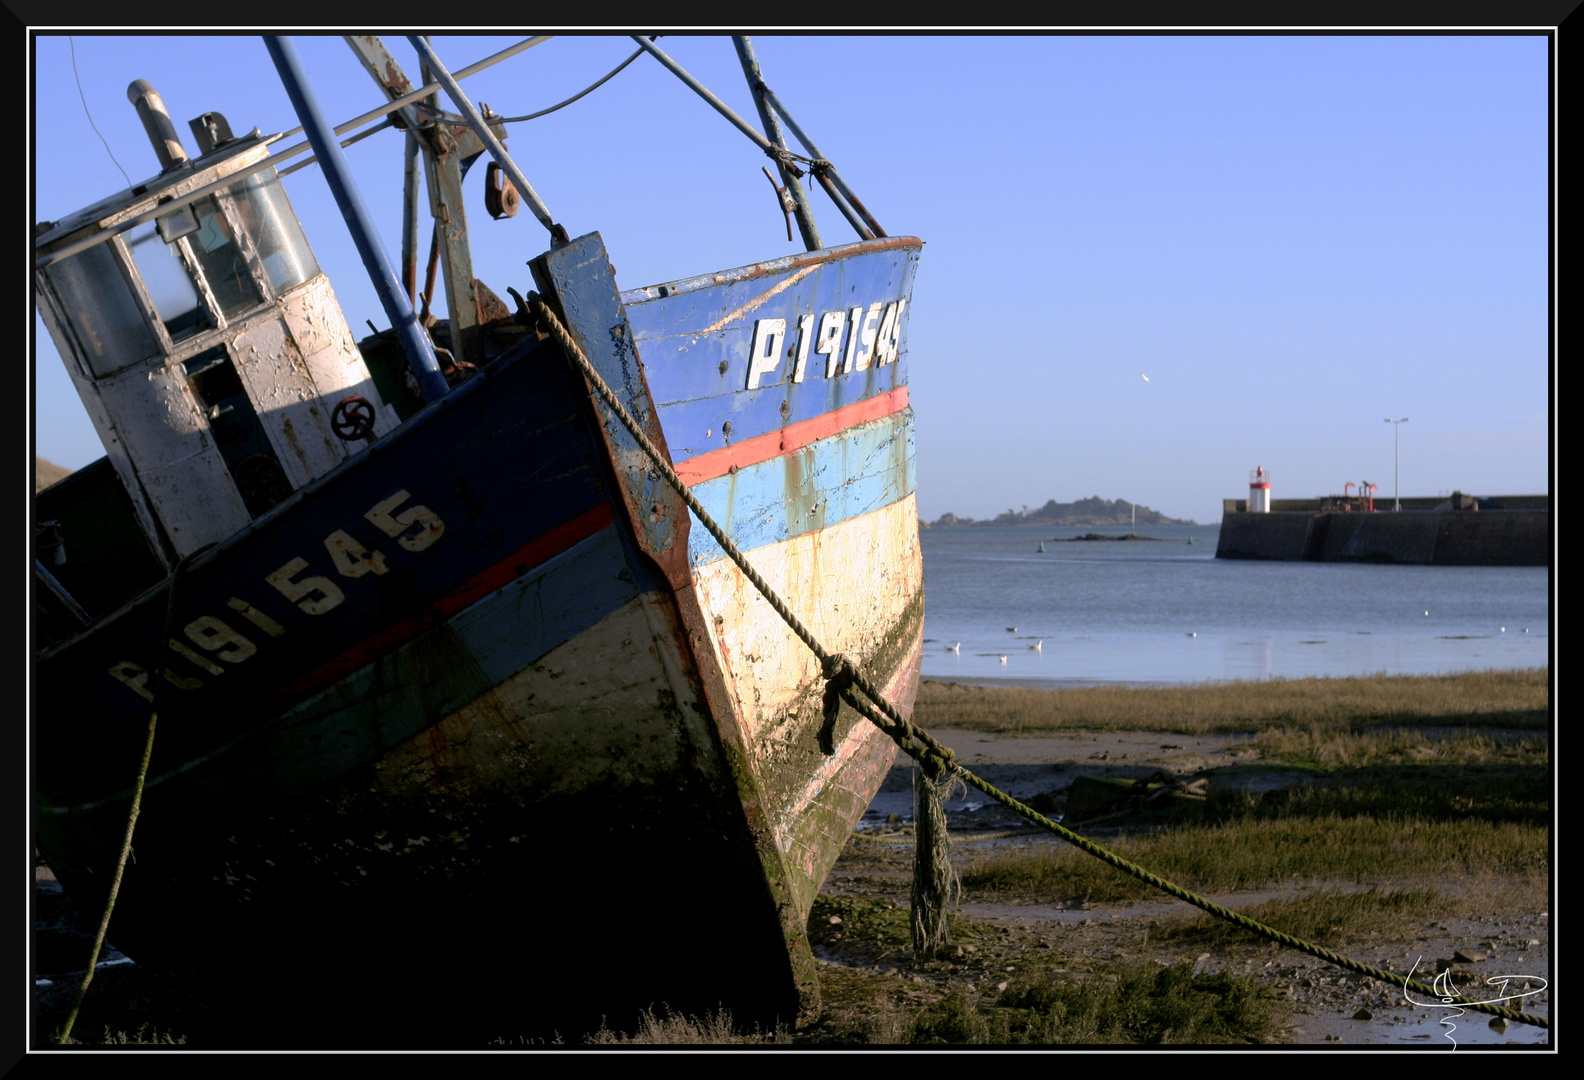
{"x": 353, "y": 419}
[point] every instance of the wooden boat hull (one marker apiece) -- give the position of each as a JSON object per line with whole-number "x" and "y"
{"x": 480, "y": 709}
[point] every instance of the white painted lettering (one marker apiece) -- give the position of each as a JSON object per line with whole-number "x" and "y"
{"x": 351, "y": 558}
{"x": 209, "y": 633}
{"x": 315, "y": 595}
{"x": 805, "y": 339}
{"x": 256, "y": 617}
{"x": 429, "y": 527}
{"x": 855, "y": 319}
{"x": 765, "y": 355}
{"x": 894, "y": 340}
{"x": 885, "y": 352}
{"x": 829, "y": 340}
{"x": 201, "y": 661}
{"x": 180, "y": 682}
{"x": 133, "y": 677}
{"x": 866, "y": 336}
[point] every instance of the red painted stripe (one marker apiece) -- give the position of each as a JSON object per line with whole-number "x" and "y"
{"x": 537, "y": 551}
{"x": 792, "y": 437}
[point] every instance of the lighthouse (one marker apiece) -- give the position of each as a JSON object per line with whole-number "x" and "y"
{"x": 1259, "y": 491}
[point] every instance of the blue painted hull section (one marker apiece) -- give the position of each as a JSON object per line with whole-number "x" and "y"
{"x": 403, "y": 692}
{"x": 695, "y": 426}
{"x": 699, "y": 380}
{"x": 505, "y": 458}
{"x": 844, "y": 476}
{"x": 361, "y": 753}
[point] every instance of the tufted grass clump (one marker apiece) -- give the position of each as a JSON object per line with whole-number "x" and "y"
{"x": 665, "y": 1028}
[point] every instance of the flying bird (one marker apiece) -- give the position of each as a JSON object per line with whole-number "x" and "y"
{"x": 1144, "y": 376}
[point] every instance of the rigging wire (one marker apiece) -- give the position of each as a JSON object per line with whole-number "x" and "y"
{"x": 73, "y": 46}
{"x": 435, "y": 113}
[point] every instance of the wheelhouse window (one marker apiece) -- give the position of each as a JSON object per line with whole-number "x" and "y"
{"x": 169, "y": 284}
{"x": 222, "y": 260}
{"x": 98, "y": 301}
{"x": 267, "y": 215}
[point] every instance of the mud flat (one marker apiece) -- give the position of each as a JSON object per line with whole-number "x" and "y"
{"x": 1016, "y": 933}
{"x": 1397, "y": 841}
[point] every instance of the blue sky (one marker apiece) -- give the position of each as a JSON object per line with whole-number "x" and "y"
{"x": 1293, "y": 236}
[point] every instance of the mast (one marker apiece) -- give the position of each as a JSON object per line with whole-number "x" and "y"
{"x": 447, "y": 152}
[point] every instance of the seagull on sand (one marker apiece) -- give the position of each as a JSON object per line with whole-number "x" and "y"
{"x": 1003, "y": 659}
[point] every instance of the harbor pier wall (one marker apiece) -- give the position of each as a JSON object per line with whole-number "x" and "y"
{"x": 1520, "y": 537}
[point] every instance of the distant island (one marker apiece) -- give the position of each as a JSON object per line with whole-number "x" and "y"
{"x": 1091, "y": 511}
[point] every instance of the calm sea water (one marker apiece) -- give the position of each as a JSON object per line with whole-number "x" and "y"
{"x": 1171, "y": 612}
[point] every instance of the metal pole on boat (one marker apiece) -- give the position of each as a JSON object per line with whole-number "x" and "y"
{"x": 415, "y": 343}
{"x": 273, "y": 162}
{"x": 828, "y": 173}
{"x": 410, "y": 196}
{"x": 426, "y": 53}
{"x": 804, "y": 212}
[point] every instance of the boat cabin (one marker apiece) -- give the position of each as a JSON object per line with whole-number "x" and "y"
{"x": 204, "y": 341}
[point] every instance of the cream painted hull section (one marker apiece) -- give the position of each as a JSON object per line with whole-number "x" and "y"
{"x": 858, "y": 587}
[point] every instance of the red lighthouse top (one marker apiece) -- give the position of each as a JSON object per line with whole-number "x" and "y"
{"x": 1259, "y": 478}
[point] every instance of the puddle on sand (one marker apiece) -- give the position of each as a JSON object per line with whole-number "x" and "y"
{"x": 1432, "y": 1028}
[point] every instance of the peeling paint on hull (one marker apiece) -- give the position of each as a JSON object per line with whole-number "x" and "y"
{"x": 487, "y": 700}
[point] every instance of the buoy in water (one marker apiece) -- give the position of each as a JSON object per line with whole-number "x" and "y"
{"x": 1042, "y": 547}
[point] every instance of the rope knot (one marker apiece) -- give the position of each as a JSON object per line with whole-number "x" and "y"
{"x": 786, "y": 159}
{"x": 937, "y": 761}
{"x": 838, "y": 680}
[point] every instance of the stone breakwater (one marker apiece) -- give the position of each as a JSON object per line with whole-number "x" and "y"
{"x": 1425, "y": 538}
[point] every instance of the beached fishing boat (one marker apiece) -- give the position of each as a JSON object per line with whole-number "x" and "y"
{"x": 465, "y": 726}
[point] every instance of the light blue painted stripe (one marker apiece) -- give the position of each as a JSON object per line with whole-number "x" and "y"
{"x": 432, "y": 676}
{"x": 543, "y": 609}
{"x": 852, "y": 473}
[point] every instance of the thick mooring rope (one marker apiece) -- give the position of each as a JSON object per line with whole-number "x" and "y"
{"x": 931, "y": 755}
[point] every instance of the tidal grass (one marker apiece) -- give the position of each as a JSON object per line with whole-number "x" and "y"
{"x": 1506, "y": 699}
{"x": 1494, "y": 793}
{"x": 1149, "y": 1006}
{"x": 1323, "y": 747}
{"x": 1330, "y": 919}
{"x": 670, "y": 1029}
{"x": 1130, "y": 1003}
{"x": 145, "y": 1035}
{"x": 1136, "y": 1005}
{"x": 1252, "y": 853}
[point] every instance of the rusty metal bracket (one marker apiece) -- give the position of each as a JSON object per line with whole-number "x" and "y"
{"x": 784, "y": 197}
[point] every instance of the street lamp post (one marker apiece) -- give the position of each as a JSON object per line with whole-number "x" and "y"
{"x": 1396, "y": 491}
